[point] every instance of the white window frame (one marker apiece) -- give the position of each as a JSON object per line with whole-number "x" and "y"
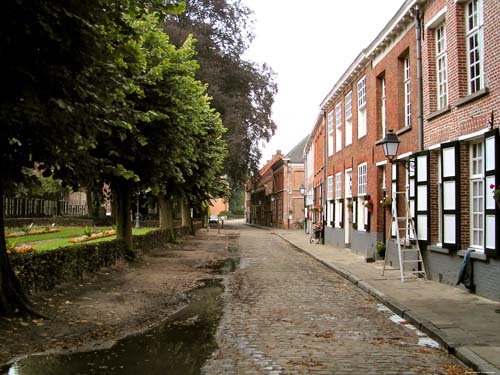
{"x": 441, "y": 66}
{"x": 348, "y": 118}
{"x": 477, "y": 182}
{"x": 362, "y": 128}
{"x": 362, "y": 178}
{"x": 407, "y": 90}
{"x": 474, "y": 36}
{"x": 383, "y": 109}
{"x": 338, "y": 185}
{"x": 330, "y": 188}
{"x": 338, "y": 127}
{"x": 348, "y": 183}
{"x": 330, "y": 133}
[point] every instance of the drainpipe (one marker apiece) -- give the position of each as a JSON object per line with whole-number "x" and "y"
{"x": 420, "y": 109}
{"x": 325, "y": 152}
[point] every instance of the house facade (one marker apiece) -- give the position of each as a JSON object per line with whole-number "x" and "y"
{"x": 432, "y": 76}
{"x": 274, "y": 197}
{"x": 461, "y": 97}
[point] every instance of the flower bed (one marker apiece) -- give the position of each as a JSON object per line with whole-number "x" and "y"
{"x": 20, "y": 250}
{"x": 93, "y": 236}
{"x": 31, "y": 232}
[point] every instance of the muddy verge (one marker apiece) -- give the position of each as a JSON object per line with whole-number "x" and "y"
{"x": 126, "y": 299}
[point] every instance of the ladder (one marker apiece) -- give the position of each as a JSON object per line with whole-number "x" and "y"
{"x": 411, "y": 263}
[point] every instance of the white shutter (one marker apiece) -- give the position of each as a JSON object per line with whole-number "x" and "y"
{"x": 411, "y": 189}
{"x": 394, "y": 188}
{"x": 450, "y": 176}
{"x": 422, "y": 195}
{"x": 492, "y": 176}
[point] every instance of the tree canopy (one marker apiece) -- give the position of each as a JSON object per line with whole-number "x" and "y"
{"x": 243, "y": 92}
{"x": 95, "y": 90}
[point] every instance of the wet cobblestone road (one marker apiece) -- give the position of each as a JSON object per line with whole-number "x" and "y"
{"x": 285, "y": 313}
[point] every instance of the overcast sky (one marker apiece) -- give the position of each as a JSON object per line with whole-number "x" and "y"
{"x": 310, "y": 44}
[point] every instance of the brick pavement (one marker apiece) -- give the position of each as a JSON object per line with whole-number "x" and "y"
{"x": 285, "y": 313}
{"x": 466, "y": 324}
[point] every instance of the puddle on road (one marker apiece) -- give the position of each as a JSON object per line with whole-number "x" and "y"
{"x": 178, "y": 347}
{"x": 224, "y": 266}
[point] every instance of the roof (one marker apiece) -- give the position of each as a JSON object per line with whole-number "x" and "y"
{"x": 297, "y": 153}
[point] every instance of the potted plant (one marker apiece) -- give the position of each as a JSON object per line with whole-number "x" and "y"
{"x": 349, "y": 206}
{"x": 386, "y": 203}
{"x": 369, "y": 205}
{"x": 380, "y": 249}
{"x": 496, "y": 193}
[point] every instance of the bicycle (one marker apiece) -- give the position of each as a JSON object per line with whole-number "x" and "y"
{"x": 298, "y": 224}
{"x": 316, "y": 234}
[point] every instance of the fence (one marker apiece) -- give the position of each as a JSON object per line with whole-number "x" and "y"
{"x": 27, "y": 207}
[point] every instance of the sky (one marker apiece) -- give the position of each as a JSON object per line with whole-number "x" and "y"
{"x": 309, "y": 45}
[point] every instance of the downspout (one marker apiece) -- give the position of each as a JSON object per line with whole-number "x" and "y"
{"x": 420, "y": 108}
{"x": 323, "y": 190}
{"x": 288, "y": 193}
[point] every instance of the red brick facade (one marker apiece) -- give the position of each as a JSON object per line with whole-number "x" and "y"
{"x": 450, "y": 142}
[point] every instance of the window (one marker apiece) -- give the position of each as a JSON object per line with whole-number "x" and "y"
{"x": 338, "y": 185}
{"x": 348, "y": 183}
{"x": 338, "y": 196}
{"x": 338, "y": 127}
{"x": 441, "y": 67}
{"x": 477, "y": 195}
{"x": 330, "y": 188}
{"x": 474, "y": 39}
{"x": 407, "y": 91}
{"x": 348, "y": 118}
{"x": 330, "y": 133}
{"x": 362, "y": 179}
{"x": 362, "y": 107}
{"x": 382, "y": 107}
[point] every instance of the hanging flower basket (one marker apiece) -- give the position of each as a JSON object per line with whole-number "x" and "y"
{"x": 496, "y": 193}
{"x": 349, "y": 206}
{"x": 369, "y": 205}
{"x": 386, "y": 203}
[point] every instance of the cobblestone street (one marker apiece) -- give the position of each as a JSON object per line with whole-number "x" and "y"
{"x": 285, "y": 313}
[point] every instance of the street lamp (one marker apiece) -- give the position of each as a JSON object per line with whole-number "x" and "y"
{"x": 390, "y": 143}
{"x": 302, "y": 189}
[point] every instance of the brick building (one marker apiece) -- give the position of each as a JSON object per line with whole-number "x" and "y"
{"x": 438, "y": 92}
{"x": 274, "y": 199}
{"x": 461, "y": 92}
{"x": 314, "y": 173}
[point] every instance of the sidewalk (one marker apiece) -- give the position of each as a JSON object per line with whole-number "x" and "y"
{"x": 467, "y": 325}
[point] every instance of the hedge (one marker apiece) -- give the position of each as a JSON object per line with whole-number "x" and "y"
{"x": 44, "y": 270}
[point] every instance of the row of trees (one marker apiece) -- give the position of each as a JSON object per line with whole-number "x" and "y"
{"x": 96, "y": 91}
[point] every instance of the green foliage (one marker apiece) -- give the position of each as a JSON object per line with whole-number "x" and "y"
{"x": 243, "y": 92}
{"x": 87, "y": 231}
{"x": 26, "y": 229}
{"x": 380, "y": 249}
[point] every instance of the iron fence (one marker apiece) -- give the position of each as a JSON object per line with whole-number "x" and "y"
{"x": 31, "y": 207}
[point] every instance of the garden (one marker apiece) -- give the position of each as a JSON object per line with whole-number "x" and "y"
{"x": 30, "y": 238}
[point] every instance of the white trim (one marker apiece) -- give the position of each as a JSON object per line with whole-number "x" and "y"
{"x": 381, "y": 55}
{"x": 437, "y": 19}
{"x": 473, "y": 135}
{"x": 405, "y": 155}
{"x": 436, "y": 146}
{"x": 381, "y": 163}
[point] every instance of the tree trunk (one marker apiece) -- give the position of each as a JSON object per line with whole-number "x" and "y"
{"x": 166, "y": 214}
{"x": 13, "y": 300}
{"x": 121, "y": 198}
{"x": 185, "y": 213}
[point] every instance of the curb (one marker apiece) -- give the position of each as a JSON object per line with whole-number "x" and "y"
{"x": 466, "y": 355}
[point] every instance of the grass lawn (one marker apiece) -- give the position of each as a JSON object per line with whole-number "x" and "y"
{"x": 51, "y": 241}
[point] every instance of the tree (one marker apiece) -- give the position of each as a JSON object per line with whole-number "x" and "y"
{"x": 243, "y": 92}
{"x": 63, "y": 83}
